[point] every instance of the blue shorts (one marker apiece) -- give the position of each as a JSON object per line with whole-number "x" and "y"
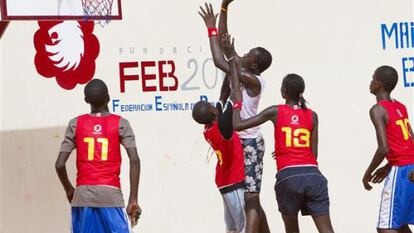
{"x": 302, "y": 189}
{"x": 99, "y": 220}
{"x": 397, "y": 200}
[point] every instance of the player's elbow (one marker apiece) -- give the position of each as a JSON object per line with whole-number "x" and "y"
{"x": 59, "y": 165}
{"x": 238, "y": 126}
{"x": 383, "y": 150}
{"x": 134, "y": 161}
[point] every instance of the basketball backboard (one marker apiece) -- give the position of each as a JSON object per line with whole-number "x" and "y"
{"x": 61, "y": 9}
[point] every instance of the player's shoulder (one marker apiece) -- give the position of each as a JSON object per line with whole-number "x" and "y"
{"x": 377, "y": 111}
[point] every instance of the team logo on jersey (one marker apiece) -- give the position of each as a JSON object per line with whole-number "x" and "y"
{"x": 97, "y": 129}
{"x": 399, "y": 113}
{"x": 66, "y": 50}
{"x": 294, "y": 120}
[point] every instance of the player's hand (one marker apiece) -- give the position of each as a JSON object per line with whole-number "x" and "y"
{"x": 226, "y": 3}
{"x": 380, "y": 174}
{"x": 208, "y": 15}
{"x": 365, "y": 180}
{"x": 411, "y": 176}
{"x": 134, "y": 212}
{"x": 228, "y": 46}
{"x": 69, "y": 194}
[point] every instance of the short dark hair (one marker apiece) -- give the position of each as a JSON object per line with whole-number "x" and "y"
{"x": 263, "y": 59}
{"x": 96, "y": 92}
{"x": 295, "y": 86}
{"x": 388, "y": 77}
{"x": 201, "y": 113}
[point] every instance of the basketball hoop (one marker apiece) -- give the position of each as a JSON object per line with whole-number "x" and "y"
{"x": 98, "y": 8}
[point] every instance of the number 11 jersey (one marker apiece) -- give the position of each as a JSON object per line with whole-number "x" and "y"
{"x": 399, "y": 138}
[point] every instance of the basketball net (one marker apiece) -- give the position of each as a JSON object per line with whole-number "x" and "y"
{"x": 98, "y": 8}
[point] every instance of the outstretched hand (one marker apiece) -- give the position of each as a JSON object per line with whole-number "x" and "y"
{"x": 134, "y": 212}
{"x": 208, "y": 15}
{"x": 227, "y": 44}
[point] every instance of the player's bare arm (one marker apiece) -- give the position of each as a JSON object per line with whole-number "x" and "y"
{"x": 236, "y": 95}
{"x": 223, "y": 29}
{"x": 133, "y": 209}
{"x": 315, "y": 135}
{"x": 223, "y": 17}
{"x": 62, "y": 173}
{"x": 225, "y": 89}
{"x": 210, "y": 19}
{"x": 379, "y": 119}
{"x": 248, "y": 79}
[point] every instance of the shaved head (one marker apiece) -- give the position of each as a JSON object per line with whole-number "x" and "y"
{"x": 96, "y": 93}
{"x": 203, "y": 112}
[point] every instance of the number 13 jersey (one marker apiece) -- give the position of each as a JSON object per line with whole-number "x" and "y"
{"x": 293, "y": 137}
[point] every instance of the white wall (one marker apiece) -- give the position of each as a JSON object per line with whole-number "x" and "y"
{"x": 334, "y": 45}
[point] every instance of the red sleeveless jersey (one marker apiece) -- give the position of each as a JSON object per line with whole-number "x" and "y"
{"x": 230, "y": 164}
{"x": 293, "y": 137}
{"x": 400, "y": 141}
{"x": 98, "y": 150}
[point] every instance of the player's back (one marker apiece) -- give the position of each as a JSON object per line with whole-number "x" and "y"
{"x": 399, "y": 138}
{"x": 293, "y": 137}
{"x": 230, "y": 165}
{"x": 98, "y": 150}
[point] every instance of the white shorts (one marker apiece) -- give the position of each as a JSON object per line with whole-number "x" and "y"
{"x": 235, "y": 210}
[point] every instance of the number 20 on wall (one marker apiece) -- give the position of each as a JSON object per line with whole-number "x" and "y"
{"x": 91, "y": 147}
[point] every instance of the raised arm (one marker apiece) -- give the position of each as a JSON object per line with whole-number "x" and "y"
{"x": 378, "y": 118}
{"x": 225, "y": 90}
{"x": 223, "y": 17}
{"x": 236, "y": 95}
{"x": 210, "y": 20}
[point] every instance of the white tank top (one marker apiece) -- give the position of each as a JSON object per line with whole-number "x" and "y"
{"x": 249, "y": 109}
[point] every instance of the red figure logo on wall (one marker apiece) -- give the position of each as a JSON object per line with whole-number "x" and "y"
{"x": 66, "y": 50}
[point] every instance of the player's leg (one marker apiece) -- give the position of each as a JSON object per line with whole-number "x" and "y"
{"x": 264, "y": 226}
{"x": 317, "y": 199}
{"x": 323, "y": 223}
{"x": 235, "y": 201}
{"x": 229, "y": 221}
{"x": 114, "y": 219}
{"x": 253, "y": 211}
{"x": 83, "y": 220}
{"x": 404, "y": 229}
{"x": 289, "y": 195}
{"x": 253, "y": 154}
{"x": 291, "y": 223}
{"x": 397, "y": 201}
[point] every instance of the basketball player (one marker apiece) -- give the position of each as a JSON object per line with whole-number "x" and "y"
{"x": 219, "y": 133}
{"x": 396, "y": 144}
{"x": 252, "y": 65}
{"x": 97, "y": 201}
{"x": 300, "y": 186}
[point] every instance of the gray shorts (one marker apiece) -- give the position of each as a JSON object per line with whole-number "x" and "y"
{"x": 234, "y": 210}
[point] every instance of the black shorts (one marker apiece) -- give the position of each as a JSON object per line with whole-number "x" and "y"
{"x": 304, "y": 189}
